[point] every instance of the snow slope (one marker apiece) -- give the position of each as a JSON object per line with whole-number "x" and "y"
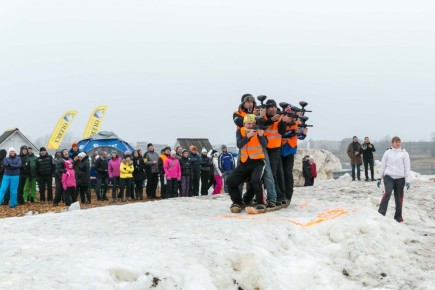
{"x": 331, "y": 237}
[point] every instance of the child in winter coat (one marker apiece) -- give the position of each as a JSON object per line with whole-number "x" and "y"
{"x": 69, "y": 182}
{"x": 217, "y": 174}
{"x": 173, "y": 175}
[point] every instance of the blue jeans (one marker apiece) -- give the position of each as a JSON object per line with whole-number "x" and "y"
{"x": 12, "y": 181}
{"x": 225, "y": 175}
{"x": 358, "y": 171}
{"x": 269, "y": 181}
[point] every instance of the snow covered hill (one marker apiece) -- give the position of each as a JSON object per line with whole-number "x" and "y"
{"x": 331, "y": 237}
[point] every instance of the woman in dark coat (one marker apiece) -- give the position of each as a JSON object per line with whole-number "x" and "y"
{"x": 139, "y": 174}
{"x": 306, "y": 170}
{"x": 83, "y": 177}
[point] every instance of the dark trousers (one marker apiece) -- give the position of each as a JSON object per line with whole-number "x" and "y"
{"x": 367, "y": 163}
{"x": 396, "y": 185}
{"x": 194, "y": 182}
{"x": 309, "y": 181}
{"x": 138, "y": 188}
{"x": 68, "y": 194}
{"x": 162, "y": 185}
{"x": 358, "y": 171}
{"x": 287, "y": 164}
{"x": 59, "y": 190}
{"x": 21, "y": 184}
{"x": 252, "y": 169}
{"x": 102, "y": 192}
{"x": 153, "y": 179}
{"x": 185, "y": 185}
{"x": 278, "y": 173}
{"x": 172, "y": 188}
{"x": 205, "y": 177}
{"x": 115, "y": 187}
{"x": 85, "y": 194}
{"x": 127, "y": 184}
{"x": 45, "y": 182}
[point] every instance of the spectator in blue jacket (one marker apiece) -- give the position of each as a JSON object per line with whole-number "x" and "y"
{"x": 11, "y": 177}
{"x": 226, "y": 164}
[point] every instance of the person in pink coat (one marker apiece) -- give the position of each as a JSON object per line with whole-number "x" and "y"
{"x": 217, "y": 174}
{"x": 173, "y": 175}
{"x": 69, "y": 182}
{"x": 114, "y": 174}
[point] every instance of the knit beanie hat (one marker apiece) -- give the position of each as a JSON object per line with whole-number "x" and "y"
{"x": 11, "y": 149}
{"x": 249, "y": 118}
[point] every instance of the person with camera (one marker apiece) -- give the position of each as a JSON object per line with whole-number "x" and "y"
{"x": 396, "y": 174}
{"x": 367, "y": 151}
{"x": 354, "y": 152}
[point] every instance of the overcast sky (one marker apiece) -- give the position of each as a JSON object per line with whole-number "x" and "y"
{"x": 170, "y": 68}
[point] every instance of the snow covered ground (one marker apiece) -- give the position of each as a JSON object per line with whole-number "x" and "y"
{"x": 331, "y": 237}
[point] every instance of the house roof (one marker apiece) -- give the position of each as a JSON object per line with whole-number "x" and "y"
{"x": 198, "y": 142}
{"x": 9, "y": 133}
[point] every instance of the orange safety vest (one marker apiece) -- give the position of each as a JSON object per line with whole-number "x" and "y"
{"x": 292, "y": 141}
{"x": 252, "y": 149}
{"x": 274, "y": 139}
{"x": 241, "y": 114}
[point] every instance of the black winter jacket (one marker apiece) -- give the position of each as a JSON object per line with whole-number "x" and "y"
{"x": 306, "y": 168}
{"x": 102, "y": 167}
{"x": 186, "y": 166}
{"x": 206, "y": 163}
{"x": 82, "y": 170}
{"x": 367, "y": 150}
{"x": 44, "y": 166}
{"x": 139, "y": 169}
{"x": 195, "y": 161}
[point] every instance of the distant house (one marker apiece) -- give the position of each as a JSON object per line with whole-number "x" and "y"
{"x": 14, "y": 138}
{"x": 199, "y": 143}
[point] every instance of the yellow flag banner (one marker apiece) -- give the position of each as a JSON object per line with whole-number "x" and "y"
{"x": 60, "y": 129}
{"x": 95, "y": 121}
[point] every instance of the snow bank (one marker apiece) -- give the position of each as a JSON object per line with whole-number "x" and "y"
{"x": 331, "y": 237}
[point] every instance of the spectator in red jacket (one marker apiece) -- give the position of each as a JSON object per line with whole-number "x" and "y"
{"x": 313, "y": 171}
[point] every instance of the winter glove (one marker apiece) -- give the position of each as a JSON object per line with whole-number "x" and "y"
{"x": 407, "y": 185}
{"x": 378, "y": 183}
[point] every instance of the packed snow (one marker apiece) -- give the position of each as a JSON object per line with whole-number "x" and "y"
{"x": 331, "y": 237}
